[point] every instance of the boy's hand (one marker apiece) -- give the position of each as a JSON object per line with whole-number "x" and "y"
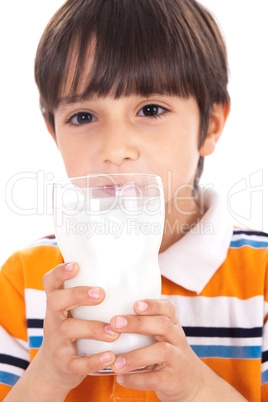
{"x": 173, "y": 377}
{"x": 177, "y": 374}
{"x": 57, "y": 356}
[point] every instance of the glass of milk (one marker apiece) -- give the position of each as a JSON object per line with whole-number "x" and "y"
{"x": 112, "y": 226}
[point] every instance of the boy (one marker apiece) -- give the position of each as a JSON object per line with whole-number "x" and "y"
{"x": 134, "y": 86}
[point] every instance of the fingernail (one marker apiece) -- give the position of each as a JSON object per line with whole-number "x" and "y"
{"x": 69, "y": 267}
{"x": 142, "y": 306}
{"x": 120, "y": 379}
{"x": 120, "y": 362}
{"x": 94, "y": 293}
{"x": 106, "y": 357}
{"x": 120, "y": 322}
{"x": 109, "y": 330}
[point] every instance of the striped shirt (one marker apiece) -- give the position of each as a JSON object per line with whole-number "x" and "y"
{"x": 222, "y": 307}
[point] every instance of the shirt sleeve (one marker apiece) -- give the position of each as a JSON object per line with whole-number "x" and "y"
{"x": 14, "y": 347}
{"x": 264, "y": 366}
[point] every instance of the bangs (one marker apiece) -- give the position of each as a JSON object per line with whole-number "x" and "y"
{"x": 121, "y": 47}
{"x": 133, "y": 55}
{"x": 106, "y": 68}
{"x": 124, "y": 47}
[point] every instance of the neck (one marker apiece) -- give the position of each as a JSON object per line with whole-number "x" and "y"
{"x": 179, "y": 221}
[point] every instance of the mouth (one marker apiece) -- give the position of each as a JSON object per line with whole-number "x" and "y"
{"x": 127, "y": 189}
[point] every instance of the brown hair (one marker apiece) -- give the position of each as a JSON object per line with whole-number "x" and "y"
{"x": 138, "y": 46}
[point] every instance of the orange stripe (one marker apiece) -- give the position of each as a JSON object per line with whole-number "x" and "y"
{"x": 239, "y": 276}
{"x": 4, "y": 390}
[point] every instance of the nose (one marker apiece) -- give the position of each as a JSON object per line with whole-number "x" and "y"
{"x": 119, "y": 145}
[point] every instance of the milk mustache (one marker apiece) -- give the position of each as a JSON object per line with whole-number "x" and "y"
{"x": 118, "y": 251}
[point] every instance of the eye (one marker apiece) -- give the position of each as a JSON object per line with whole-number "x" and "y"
{"x": 152, "y": 111}
{"x": 81, "y": 118}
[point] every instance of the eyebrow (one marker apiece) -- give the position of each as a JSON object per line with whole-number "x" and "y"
{"x": 67, "y": 100}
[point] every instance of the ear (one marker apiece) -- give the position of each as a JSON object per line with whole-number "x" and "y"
{"x": 218, "y": 117}
{"x": 51, "y": 131}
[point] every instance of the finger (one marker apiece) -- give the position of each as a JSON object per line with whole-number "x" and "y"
{"x": 159, "y": 355}
{"x": 68, "y": 299}
{"x": 156, "y": 307}
{"x": 90, "y": 364}
{"x": 159, "y": 326}
{"x": 55, "y": 278}
{"x": 73, "y": 329}
{"x": 150, "y": 381}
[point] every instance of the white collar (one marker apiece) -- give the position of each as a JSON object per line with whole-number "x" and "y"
{"x": 194, "y": 259}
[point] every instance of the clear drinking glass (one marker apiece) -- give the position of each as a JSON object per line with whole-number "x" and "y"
{"x": 112, "y": 226}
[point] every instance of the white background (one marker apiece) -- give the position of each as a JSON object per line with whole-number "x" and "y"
{"x": 238, "y": 168}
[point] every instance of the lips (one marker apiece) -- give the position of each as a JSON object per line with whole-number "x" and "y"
{"x": 124, "y": 190}
{"x": 109, "y": 191}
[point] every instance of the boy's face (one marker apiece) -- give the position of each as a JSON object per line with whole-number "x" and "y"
{"x": 134, "y": 134}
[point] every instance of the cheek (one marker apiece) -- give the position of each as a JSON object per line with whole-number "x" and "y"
{"x": 180, "y": 157}
{"x": 177, "y": 165}
{"x": 73, "y": 156}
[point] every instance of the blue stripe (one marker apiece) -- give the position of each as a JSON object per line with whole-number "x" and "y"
{"x": 43, "y": 242}
{"x": 35, "y": 341}
{"x": 14, "y": 361}
{"x": 227, "y": 352}
{"x": 250, "y": 233}
{"x": 35, "y": 323}
{"x": 247, "y": 242}
{"x": 8, "y": 378}
{"x": 264, "y": 377}
{"x": 224, "y": 332}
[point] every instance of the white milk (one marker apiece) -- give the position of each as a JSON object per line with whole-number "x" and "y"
{"x": 117, "y": 251}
